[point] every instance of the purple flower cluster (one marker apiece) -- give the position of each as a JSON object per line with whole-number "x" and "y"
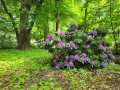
{"x": 69, "y": 52}
{"x": 47, "y": 40}
{"x": 50, "y": 36}
{"x": 88, "y": 46}
{"x": 71, "y": 23}
{"x": 105, "y": 55}
{"x": 92, "y": 32}
{"x": 89, "y": 38}
{"x": 76, "y": 57}
{"x": 82, "y": 58}
{"x": 95, "y": 32}
{"x": 87, "y": 59}
{"x": 100, "y": 46}
{"x": 84, "y": 54}
{"x": 107, "y": 31}
{"x": 73, "y": 45}
{"x": 103, "y": 64}
{"x": 57, "y": 66}
{"x": 62, "y": 33}
{"x": 76, "y": 28}
{"x": 92, "y": 62}
{"x": 71, "y": 56}
{"x": 64, "y": 44}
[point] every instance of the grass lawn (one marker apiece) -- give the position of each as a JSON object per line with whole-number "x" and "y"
{"x": 31, "y": 70}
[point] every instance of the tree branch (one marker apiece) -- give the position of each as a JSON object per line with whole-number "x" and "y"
{"x": 11, "y": 16}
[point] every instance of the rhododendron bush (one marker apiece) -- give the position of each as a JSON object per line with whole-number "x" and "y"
{"x": 76, "y": 48}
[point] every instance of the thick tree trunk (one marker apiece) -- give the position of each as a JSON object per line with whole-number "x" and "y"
{"x": 57, "y": 24}
{"x": 24, "y": 37}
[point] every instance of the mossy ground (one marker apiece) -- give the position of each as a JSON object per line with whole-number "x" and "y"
{"x": 31, "y": 70}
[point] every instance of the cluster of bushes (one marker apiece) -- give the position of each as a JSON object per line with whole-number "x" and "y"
{"x": 76, "y": 48}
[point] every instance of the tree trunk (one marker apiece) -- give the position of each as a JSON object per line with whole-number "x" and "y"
{"x": 116, "y": 44}
{"x": 46, "y": 31}
{"x": 85, "y": 19}
{"x": 57, "y": 24}
{"x": 24, "y": 37}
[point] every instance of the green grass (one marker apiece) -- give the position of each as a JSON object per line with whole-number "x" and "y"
{"x": 31, "y": 70}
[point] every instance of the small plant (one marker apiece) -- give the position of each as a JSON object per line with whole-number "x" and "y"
{"x": 46, "y": 84}
{"x": 76, "y": 48}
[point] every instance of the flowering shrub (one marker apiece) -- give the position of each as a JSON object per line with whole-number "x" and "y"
{"x": 76, "y": 48}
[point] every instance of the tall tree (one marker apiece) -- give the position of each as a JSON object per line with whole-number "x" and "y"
{"x": 23, "y": 34}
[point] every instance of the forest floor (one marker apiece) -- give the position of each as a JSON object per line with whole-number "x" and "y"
{"x": 31, "y": 70}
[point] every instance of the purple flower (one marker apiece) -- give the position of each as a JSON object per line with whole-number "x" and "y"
{"x": 62, "y": 33}
{"x": 71, "y": 63}
{"x": 56, "y": 56}
{"x": 71, "y": 24}
{"x": 67, "y": 57}
{"x": 100, "y": 25}
{"x": 88, "y": 46}
{"x": 44, "y": 42}
{"x": 52, "y": 52}
{"x": 103, "y": 64}
{"x": 50, "y": 36}
{"x": 84, "y": 54}
{"x": 89, "y": 38}
{"x": 87, "y": 59}
{"x": 100, "y": 46}
{"x": 65, "y": 62}
{"x": 93, "y": 28}
{"x": 107, "y": 31}
{"x": 103, "y": 41}
{"x": 63, "y": 44}
{"x": 68, "y": 65}
{"x": 95, "y": 32}
{"x": 81, "y": 33}
{"x": 113, "y": 57}
{"x": 90, "y": 31}
{"x": 54, "y": 60}
{"x": 59, "y": 44}
{"x": 73, "y": 45}
{"x": 110, "y": 52}
{"x": 54, "y": 38}
{"x": 71, "y": 56}
{"x": 56, "y": 67}
{"x": 71, "y": 42}
{"x": 47, "y": 40}
{"x": 69, "y": 29}
{"x": 66, "y": 43}
{"x": 105, "y": 59}
{"x": 75, "y": 29}
{"x": 105, "y": 48}
{"x": 70, "y": 32}
{"x": 82, "y": 59}
{"x": 105, "y": 55}
{"x": 110, "y": 60}
{"x": 92, "y": 62}
{"x": 76, "y": 57}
